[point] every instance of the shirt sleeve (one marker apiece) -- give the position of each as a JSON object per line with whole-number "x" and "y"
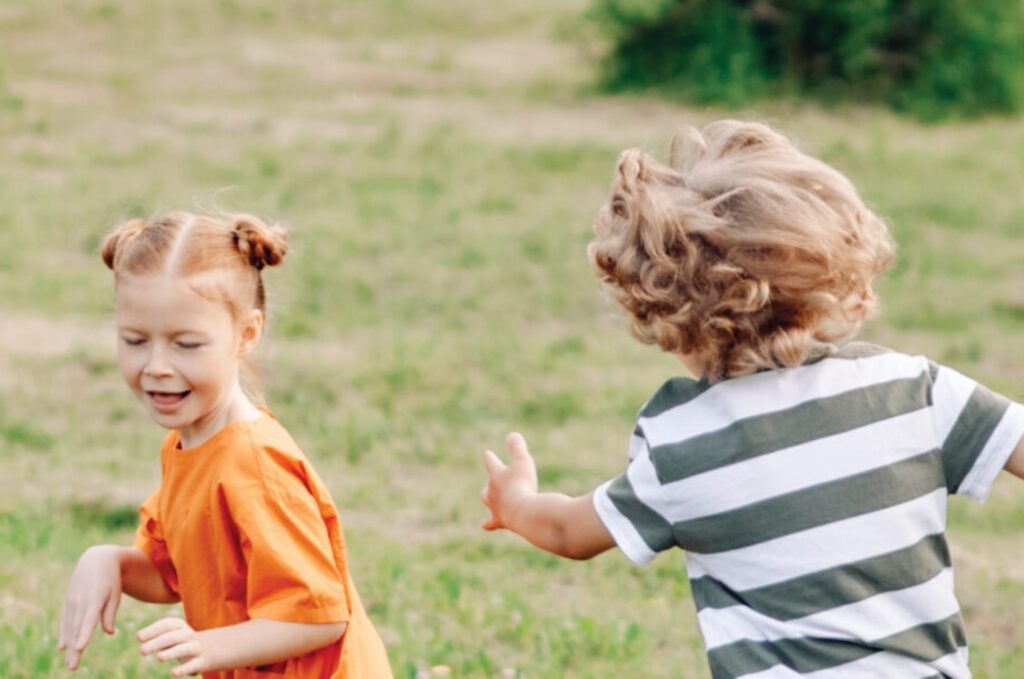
{"x": 628, "y": 507}
{"x": 979, "y": 430}
{"x": 149, "y": 539}
{"x": 292, "y": 574}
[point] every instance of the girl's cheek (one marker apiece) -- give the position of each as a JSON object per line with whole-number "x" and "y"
{"x": 128, "y": 365}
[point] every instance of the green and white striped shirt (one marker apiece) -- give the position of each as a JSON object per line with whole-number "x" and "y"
{"x": 812, "y": 505}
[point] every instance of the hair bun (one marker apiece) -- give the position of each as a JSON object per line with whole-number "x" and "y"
{"x": 118, "y": 238}
{"x": 261, "y": 244}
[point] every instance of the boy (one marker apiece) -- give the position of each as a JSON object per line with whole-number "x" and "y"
{"x": 805, "y": 477}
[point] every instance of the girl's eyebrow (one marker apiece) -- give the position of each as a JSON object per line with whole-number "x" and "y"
{"x": 173, "y": 333}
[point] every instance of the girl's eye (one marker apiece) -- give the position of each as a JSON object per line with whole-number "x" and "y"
{"x": 190, "y": 345}
{"x": 133, "y": 341}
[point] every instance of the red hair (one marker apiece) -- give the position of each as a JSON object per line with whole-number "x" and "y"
{"x": 235, "y": 250}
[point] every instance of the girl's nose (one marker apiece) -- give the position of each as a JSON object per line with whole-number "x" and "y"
{"x": 157, "y": 364}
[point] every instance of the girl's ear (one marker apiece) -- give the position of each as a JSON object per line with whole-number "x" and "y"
{"x": 251, "y": 332}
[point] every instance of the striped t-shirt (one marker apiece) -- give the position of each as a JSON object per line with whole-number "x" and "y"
{"x": 812, "y": 505}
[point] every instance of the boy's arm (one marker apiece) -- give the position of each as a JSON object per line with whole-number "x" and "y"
{"x": 563, "y": 525}
{"x": 1015, "y": 465}
{"x": 247, "y": 644}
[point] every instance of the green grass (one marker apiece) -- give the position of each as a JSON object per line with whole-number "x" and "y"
{"x": 441, "y": 164}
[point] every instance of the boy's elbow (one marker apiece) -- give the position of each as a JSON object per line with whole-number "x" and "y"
{"x": 580, "y": 556}
{"x": 580, "y": 553}
{"x": 577, "y": 550}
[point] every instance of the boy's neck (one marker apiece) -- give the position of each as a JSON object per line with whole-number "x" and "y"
{"x": 693, "y": 364}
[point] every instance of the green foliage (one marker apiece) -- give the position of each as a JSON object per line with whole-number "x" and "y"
{"x": 931, "y": 59}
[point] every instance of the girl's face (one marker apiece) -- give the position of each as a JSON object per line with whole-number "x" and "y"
{"x": 180, "y": 353}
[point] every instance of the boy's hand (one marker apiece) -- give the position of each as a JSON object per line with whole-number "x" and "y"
{"x": 94, "y": 594}
{"x": 508, "y": 485}
{"x": 173, "y": 639}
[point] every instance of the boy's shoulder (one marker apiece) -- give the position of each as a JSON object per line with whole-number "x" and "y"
{"x": 678, "y": 391}
{"x": 674, "y": 392}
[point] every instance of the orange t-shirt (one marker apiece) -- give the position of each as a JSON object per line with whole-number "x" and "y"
{"x": 242, "y": 527}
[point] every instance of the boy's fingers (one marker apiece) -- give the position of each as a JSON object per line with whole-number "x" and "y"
{"x": 517, "y": 446}
{"x": 492, "y": 462}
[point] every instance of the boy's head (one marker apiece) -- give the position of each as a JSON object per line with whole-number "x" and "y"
{"x": 745, "y": 253}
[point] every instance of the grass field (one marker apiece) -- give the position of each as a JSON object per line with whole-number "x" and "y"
{"x": 440, "y": 163}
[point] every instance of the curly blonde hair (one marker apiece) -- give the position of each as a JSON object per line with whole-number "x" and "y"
{"x": 743, "y": 252}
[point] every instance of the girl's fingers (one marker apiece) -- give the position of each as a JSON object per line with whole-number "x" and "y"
{"x": 159, "y": 627}
{"x": 72, "y": 651}
{"x": 169, "y": 639}
{"x": 61, "y": 629}
{"x": 68, "y": 615}
{"x": 191, "y": 667}
{"x": 188, "y": 649}
{"x": 71, "y": 658}
{"x": 109, "y": 613}
{"x": 85, "y": 629}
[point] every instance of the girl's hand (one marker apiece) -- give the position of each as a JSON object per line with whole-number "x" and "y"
{"x": 173, "y": 639}
{"x": 94, "y": 593}
{"x": 508, "y": 485}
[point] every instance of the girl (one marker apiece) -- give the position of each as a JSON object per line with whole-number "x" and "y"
{"x": 242, "y": 530}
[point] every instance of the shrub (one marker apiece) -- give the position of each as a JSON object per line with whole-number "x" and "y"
{"x": 933, "y": 58}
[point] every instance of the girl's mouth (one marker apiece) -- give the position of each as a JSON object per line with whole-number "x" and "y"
{"x": 167, "y": 401}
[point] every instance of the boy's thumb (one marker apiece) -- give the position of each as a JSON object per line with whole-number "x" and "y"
{"x": 493, "y": 464}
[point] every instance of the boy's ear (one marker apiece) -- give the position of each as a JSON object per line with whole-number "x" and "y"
{"x": 252, "y": 331}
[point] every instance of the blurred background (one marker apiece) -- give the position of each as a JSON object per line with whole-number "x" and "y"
{"x": 440, "y": 163}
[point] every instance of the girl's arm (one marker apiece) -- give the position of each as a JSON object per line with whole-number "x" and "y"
{"x": 141, "y": 580}
{"x": 563, "y": 525}
{"x": 1015, "y": 465}
{"x": 247, "y": 644}
{"x": 94, "y": 593}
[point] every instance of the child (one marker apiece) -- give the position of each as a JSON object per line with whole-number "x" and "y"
{"x": 807, "y": 480}
{"x": 242, "y": 530}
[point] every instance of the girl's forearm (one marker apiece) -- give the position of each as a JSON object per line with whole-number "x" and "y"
{"x": 140, "y": 579}
{"x": 262, "y": 642}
